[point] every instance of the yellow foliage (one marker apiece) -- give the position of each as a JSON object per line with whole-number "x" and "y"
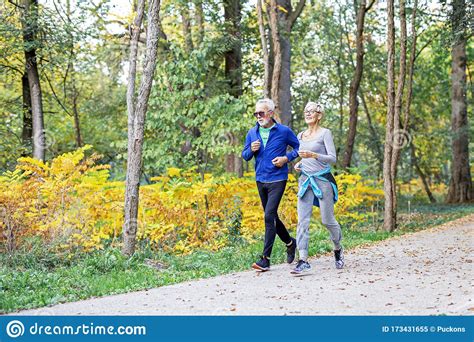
{"x": 415, "y": 186}
{"x": 71, "y": 199}
{"x": 174, "y": 172}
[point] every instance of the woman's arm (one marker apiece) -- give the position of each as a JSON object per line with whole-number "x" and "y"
{"x": 330, "y": 157}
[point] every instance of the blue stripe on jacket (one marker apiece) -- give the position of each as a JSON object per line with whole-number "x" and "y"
{"x": 280, "y": 138}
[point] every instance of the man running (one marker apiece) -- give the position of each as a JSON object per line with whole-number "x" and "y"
{"x": 267, "y": 141}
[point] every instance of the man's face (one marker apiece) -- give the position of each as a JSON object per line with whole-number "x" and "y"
{"x": 263, "y": 115}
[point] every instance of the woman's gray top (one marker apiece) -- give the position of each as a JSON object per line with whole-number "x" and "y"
{"x": 323, "y": 145}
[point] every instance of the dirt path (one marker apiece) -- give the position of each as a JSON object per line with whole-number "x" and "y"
{"x": 424, "y": 273}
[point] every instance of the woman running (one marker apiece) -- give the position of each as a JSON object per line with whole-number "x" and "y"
{"x": 316, "y": 185}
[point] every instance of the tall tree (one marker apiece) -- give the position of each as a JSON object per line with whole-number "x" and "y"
{"x": 460, "y": 186}
{"x": 275, "y": 28}
{"x": 355, "y": 83}
{"x": 137, "y": 108}
{"x": 186, "y": 26}
{"x": 389, "y": 223}
{"x": 30, "y": 29}
{"x": 411, "y": 70}
{"x": 393, "y": 136}
{"x": 27, "y": 131}
{"x": 264, "y": 43}
{"x": 199, "y": 21}
{"x": 71, "y": 70}
{"x": 281, "y": 18}
{"x": 233, "y": 70}
{"x": 397, "y": 135}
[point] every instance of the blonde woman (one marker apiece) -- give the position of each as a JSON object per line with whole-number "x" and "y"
{"x": 316, "y": 185}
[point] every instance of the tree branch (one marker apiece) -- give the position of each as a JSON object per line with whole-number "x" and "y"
{"x": 370, "y": 5}
{"x": 55, "y": 96}
{"x": 427, "y": 44}
{"x": 11, "y": 67}
{"x": 296, "y": 13}
{"x": 15, "y": 4}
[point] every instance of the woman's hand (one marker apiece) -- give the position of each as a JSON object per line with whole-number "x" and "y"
{"x": 308, "y": 154}
{"x": 298, "y": 167}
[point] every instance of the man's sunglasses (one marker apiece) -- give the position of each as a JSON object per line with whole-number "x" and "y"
{"x": 259, "y": 114}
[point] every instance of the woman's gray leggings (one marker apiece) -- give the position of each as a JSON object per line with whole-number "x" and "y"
{"x": 305, "y": 210}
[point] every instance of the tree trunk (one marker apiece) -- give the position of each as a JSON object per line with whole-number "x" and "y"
{"x": 398, "y": 136}
{"x": 375, "y": 137}
{"x": 30, "y": 27}
{"x": 406, "y": 120}
{"x": 266, "y": 57}
{"x": 27, "y": 132}
{"x": 342, "y": 82}
{"x": 132, "y": 70}
{"x": 271, "y": 52}
{"x": 389, "y": 223}
{"x": 421, "y": 174}
{"x": 284, "y": 89}
{"x": 411, "y": 68}
{"x": 233, "y": 57}
{"x": 233, "y": 71}
{"x": 75, "y": 112}
{"x": 354, "y": 89}
{"x": 281, "y": 19}
{"x": 460, "y": 186}
{"x": 75, "y": 94}
{"x": 276, "y": 47}
{"x": 199, "y": 21}
{"x": 186, "y": 27}
{"x": 134, "y": 163}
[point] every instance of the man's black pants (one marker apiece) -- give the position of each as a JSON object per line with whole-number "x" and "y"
{"x": 270, "y": 195}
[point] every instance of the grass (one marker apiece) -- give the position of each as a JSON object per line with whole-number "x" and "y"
{"x": 37, "y": 277}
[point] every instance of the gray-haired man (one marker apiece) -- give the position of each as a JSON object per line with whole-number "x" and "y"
{"x": 267, "y": 141}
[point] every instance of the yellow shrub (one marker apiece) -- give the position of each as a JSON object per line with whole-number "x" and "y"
{"x": 71, "y": 199}
{"x": 415, "y": 188}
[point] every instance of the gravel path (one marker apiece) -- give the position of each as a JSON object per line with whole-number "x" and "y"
{"x": 425, "y": 273}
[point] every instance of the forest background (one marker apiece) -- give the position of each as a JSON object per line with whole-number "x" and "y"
{"x": 122, "y": 125}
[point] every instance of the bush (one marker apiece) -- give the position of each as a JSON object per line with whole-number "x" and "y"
{"x": 70, "y": 204}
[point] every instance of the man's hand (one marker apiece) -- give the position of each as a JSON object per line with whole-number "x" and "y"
{"x": 307, "y": 154}
{"x": 298, "y": 167}
{"x": 280, "y": 161}
{"x": 255, "y": 146}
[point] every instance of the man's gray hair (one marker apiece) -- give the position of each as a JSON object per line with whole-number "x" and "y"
{"x": 267, "y": 103}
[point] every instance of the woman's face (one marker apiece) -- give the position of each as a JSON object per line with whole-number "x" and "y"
{"x": 312, "y": 116}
